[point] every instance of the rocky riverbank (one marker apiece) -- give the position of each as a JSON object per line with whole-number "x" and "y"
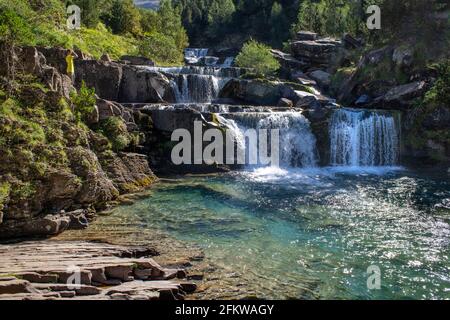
{"x": 53, "y": 270}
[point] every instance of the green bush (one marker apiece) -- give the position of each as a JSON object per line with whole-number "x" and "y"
{"x": 439, "y": 94}
{"x": 84, "y": 102}
{"x": 115, "y": 130}
{"x": 4, "y": 193}
{"x": 257, "y": 56}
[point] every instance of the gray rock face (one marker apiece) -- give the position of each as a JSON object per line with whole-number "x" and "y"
{"x": 62, "y": 187}
{"x": 32, "y": 61}
{"x": 129, "y": 172}
{"x": 55, "y": 57}
{"x": 257, "y": 92}
{"x": 403, "y": 57}
{"x": 104, "y": 77}
{"x": 302, "y": 78}
{"x": 438, "y": 119}
{"x": 316, "y": 52}
{"x": 138, "y": 61}
{"x": 350, "y": 87}
{"x": 321, "y": 77}
{"x": 285, "y": 103}
{"x": 400, "y": 96}
{"x": 39, "y": 226}
{"x": 108, "y": 109}
{"x": 306, "y": 36}
{"x": 143, "y": 85}
{"x": 287, "y": 61}
{"x": 169, "y": 120}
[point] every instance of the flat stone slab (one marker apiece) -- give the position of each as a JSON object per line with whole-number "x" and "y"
{"x": 38, "y": 270}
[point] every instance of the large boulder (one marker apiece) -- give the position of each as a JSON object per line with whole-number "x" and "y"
{"x": 288, "y": 62}
{"x": 96, "y": 188}
{"x": 129, "y": 172}
{"x": 168, "y": 120}
{"x": 108, "y": 109}
{"x": 143, "y": 85}
{"x": 401, "y": 96}
{"x": 257, "y": 92}
{"x": 317, "y": 52}
{"x": 321, "y": 77}
{"x": 30, "y": 60}
{"x": 403, "y": 57}
{"x": 48, "y": 225}
{"x": 302, "y": 78}
{"x": 61, "y": 189}
{"x": 104, "y": 77}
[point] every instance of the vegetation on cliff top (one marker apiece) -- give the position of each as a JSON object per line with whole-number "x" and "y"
{"x": 114, "y": 27}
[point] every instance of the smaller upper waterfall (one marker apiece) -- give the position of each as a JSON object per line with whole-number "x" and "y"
{"x": 364, "y": 138}
{"x": 297, "y": 144}
{"x": 193, "y": 55}
{"x": 197, "y": 84}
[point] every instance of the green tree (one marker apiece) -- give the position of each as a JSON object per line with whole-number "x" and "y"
{"x": 171, "y": 25}
{"x": 220, "y": 13}
{"x": 123, "y": 17}
{"x": 333, "y": 16}
{"x": 257, "y": 56}
{"x": 278, "y": 23}
{"x": 308, "y": 17}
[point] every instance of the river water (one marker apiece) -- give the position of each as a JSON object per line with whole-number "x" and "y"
{"x": 313, "y": 233}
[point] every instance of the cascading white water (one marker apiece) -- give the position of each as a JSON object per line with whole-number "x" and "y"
{"x": 197, "y": 84}
{"x": 193, "y": 55}
{"x": 196, "y": 88}
{"x": 363, "y": 138}
{"x": 228, "y": 62}
{"x": 297, "y": 146}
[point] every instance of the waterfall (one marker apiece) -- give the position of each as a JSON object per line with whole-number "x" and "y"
{"x": 193, "y": 55}
{"x": 364, "y": 138}
{"x": 196, "y": 88}
{"x": 297, "y": 146}
{"x": 228, "y": 62}
{"x": 197, "y": 84}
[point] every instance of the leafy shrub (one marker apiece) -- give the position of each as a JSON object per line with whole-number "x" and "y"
{"x": 257, "y": 56}
{"x": 4, "y": 193}
{"x": 84, "y": 102}
{"x": 439, "y": 94}
{"x": 115, "y": 130}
